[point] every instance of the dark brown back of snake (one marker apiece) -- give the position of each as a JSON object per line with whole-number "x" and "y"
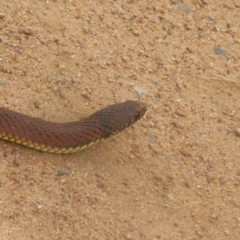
{"x": 99, "y": 125}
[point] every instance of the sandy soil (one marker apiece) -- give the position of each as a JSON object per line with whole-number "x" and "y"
{"x": 175, "y": 174}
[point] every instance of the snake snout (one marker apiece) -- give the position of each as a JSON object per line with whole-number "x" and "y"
{"x": 130, "y": 111}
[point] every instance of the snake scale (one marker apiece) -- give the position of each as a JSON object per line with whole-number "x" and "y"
{"x": 68, "y": 137}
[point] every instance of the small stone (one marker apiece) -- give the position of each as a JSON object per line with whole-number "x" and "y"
{"x": 219, "y": 51}
{"x": 151, "y": 124}
{"x": 27, "y": 31}
{"x": 170, "y": 196}
{"x": 175, "y": 224}
{"x": 184, "y": 8}
{"x": 128, "y": 236}
{"x": 176, "y": 160}
{"x": 180, "y": 113}
{"x": 62, "y": 95}
{"x": 152, "y": 139}
{"x": 5, "y": 154}
{"x": 140, "y": 91}
{"x": 136, "y": 32}
{"x": 185, "y": 152}
{"x": 37, "y": 104}
{"x": 2, "y": 15}
{"x": 75, "y": 80}
{"x": 18, "y": 51}
{"x": 62, "y": 173}
{"x": 222, "y": 180}
{"x": 63, "y": 180}
{"x": 85, "y": 94}
{"x": 16, "y": 162}
{"x": 39, "y": 206}
{"x": 214, "y": 216}
{"x": 220, "y": 120}
{"x": 226, "y": 232}
{"x": 237, "y": 131}
{"x": 212, "y": 17}
{"x": 124, "y": 59}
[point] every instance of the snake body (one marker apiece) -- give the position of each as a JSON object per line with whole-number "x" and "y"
{"x": 68, "y": 137}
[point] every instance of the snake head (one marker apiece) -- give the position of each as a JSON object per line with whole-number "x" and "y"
{"x": 116, "y": 117}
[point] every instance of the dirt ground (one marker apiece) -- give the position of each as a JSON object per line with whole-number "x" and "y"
{"x": 175, "y": 174}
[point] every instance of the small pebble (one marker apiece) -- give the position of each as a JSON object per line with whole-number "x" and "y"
{"x": 222, "y": 180}
{"x": 237, "y": 131}
{"x": 62, "y": 66}
{"x": 5, "y": 154}
{"x": 62, "y": 95}
{"x": 140, "y": 91}
{"x": 136, "y": 33}
{"x": 39, "y": 206}
{"x": 75, "y": 80}
{"x": 124, "y": 59}
{"x": 151, "y": 124}
{"x": 226, "y": 232}
{"x": 27, "y": 31}
{"x": 212, "y": 17}
{"x": 219, "y": 51}
{"x": 214, "y": 216}
{"x": 2, "y": 15}
{"x": 16, "y": 162}
{"x": 128, "y": 236}
{"x": 37, "y": 104}
{"x": 63, "y": 180}
{"x": 62, "y": 173}
{"x": 184, "y": 8}
{"x": 18, "y": 51}
{"x": 152, "y": 139}
{"x": 175, "y": 159}
{"x": 185, "y": 152}
{"x": 85, "y": 94}
{"x": 180, "y": 113}
{"x": 170, "y": 196}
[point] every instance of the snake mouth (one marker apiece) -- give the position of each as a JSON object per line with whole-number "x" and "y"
{"x": 142, "y": 109}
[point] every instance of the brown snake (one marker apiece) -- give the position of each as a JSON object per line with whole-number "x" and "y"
{"x": 68, "y": 137}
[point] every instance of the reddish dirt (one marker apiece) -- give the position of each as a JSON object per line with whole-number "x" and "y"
{"x": 175, "y": 174}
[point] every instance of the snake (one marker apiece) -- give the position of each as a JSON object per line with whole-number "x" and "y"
{"x": 68, "y": 137}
